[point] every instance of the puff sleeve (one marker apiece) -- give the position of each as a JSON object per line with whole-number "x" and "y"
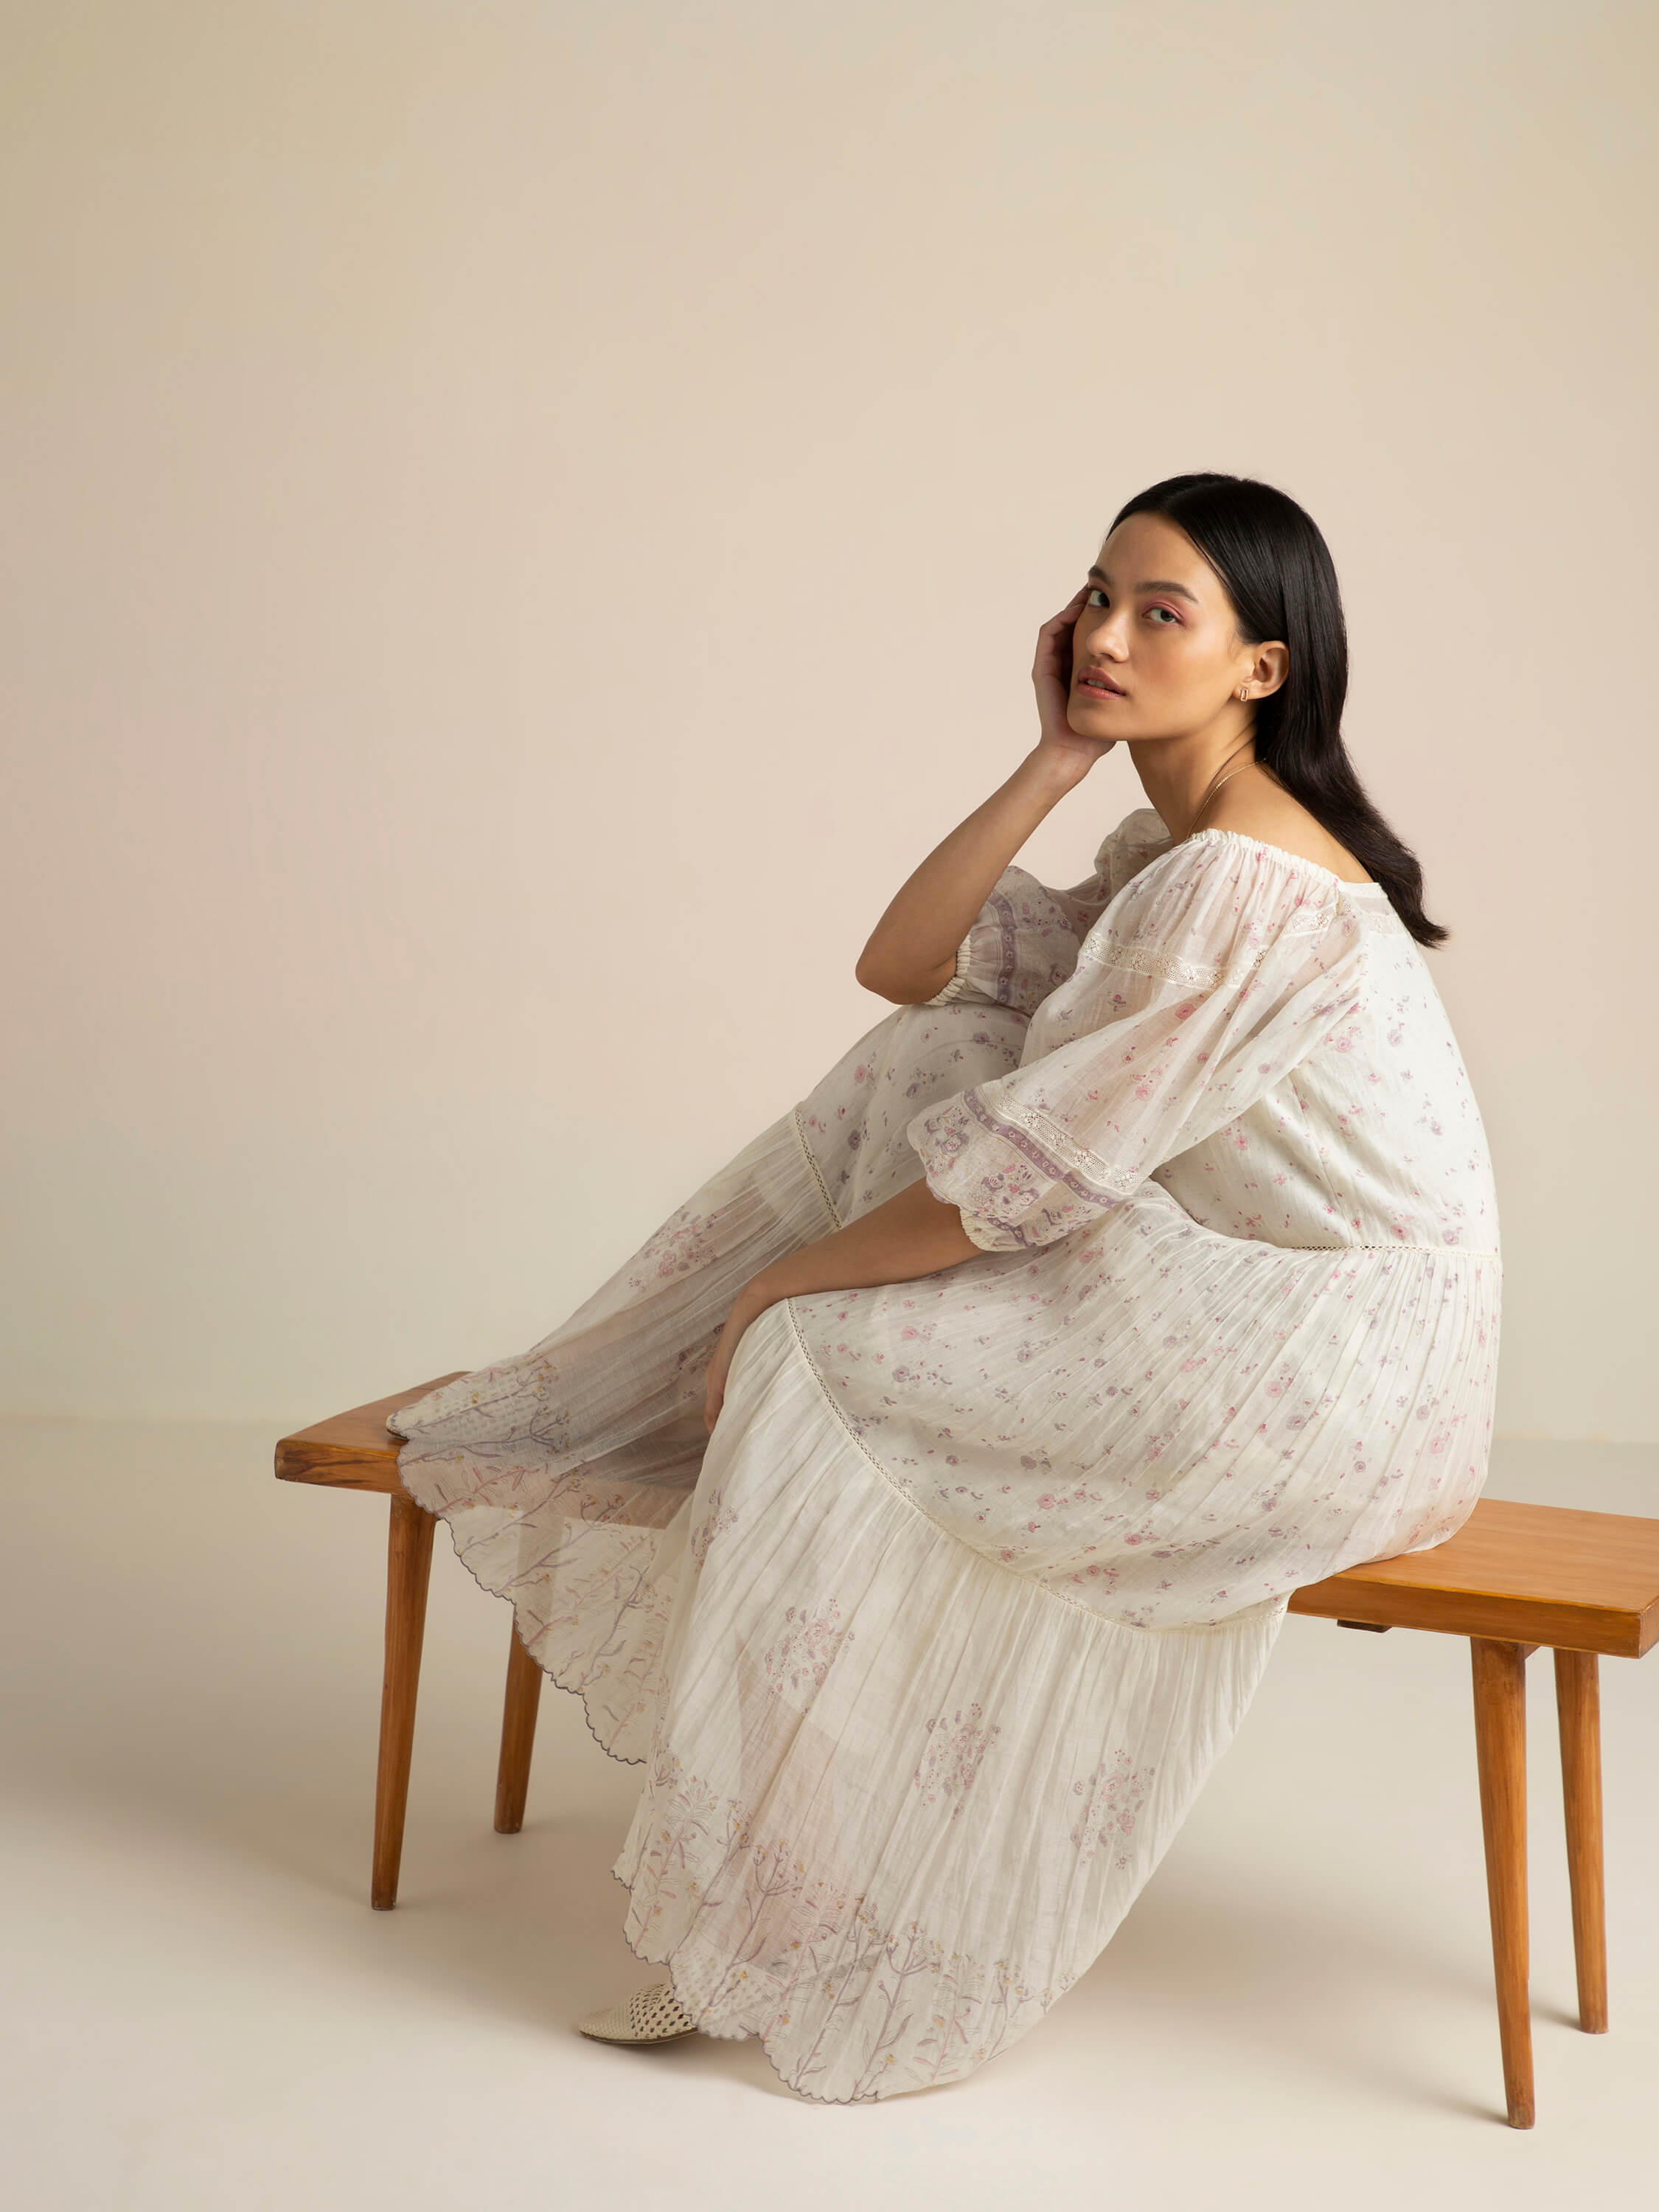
{"x": 1024, "y": 943}
{"x": 1220, "y": 966}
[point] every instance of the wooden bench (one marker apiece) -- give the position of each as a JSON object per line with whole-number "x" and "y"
{"x": 1512, "y": 1578}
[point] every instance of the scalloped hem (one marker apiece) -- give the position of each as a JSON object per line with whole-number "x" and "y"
{"x": 855, "y": 1842}
{"x": 759, "y": 2035}
{"x": 572, "y": 1689}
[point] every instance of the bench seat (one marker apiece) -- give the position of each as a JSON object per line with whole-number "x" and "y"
{"x": 1514, "y": 1577}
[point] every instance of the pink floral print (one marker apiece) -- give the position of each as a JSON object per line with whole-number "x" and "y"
{"x": 925, "y": 1655}
{"x": 800, "y": 1657}
{"x": 956, "y": 1745}
{"x": 1112, "y": 1795}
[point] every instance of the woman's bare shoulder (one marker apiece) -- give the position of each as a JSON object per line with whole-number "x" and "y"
{"x": 1257, "y": 808}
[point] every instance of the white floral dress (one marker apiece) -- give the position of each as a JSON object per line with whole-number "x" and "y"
{"x": 928, "y": 1651}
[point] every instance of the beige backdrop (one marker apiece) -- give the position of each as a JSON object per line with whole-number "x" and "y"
{"x": 522, "y": 522}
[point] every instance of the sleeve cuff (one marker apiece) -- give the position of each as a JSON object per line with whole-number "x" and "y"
{"x": 958, "y": 985}
{"x": 989, "y": 1235}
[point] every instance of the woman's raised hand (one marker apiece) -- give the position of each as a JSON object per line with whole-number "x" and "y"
{"x": 912, "y": 953}
{"x": 1051, "y": 676}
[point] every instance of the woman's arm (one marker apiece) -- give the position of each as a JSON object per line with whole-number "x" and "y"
{"x": 912, "y": 952}
{"x": 910, "y": 1234}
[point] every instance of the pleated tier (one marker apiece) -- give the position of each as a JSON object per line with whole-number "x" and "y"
{"x": 898, "y": 1798}
{"x": 1167, "y": 1424}
{"x": 928, "y": 1651}
{"x": 557, "y": 1470}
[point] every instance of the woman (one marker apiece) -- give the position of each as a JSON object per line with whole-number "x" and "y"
{"x": 919, "y": 1505}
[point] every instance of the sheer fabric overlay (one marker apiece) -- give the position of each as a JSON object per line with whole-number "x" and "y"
{"x": 925, "y": 1653}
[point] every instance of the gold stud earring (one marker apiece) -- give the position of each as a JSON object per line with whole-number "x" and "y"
{"x": 1243, "y": 695}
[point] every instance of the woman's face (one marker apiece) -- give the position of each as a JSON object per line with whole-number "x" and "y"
{"x": 1159, "y": 627}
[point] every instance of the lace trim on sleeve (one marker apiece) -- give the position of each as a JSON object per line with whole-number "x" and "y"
{"x": 1147, "y": 960}
{"x": 1311, "y": 918}
{"x": 1047, "y": 1146}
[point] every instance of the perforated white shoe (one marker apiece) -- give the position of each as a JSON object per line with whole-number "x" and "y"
{"x": 652, "y": 2016}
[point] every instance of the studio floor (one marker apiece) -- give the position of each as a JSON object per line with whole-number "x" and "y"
{"x": 203, "y": 2014}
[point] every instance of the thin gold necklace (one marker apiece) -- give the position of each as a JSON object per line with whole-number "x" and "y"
{"x": 1218, "y": 780}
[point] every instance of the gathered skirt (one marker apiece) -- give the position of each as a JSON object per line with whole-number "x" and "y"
{"x": 925, "y": 1653}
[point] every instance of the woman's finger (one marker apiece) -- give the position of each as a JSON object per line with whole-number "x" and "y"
{"x": 1069, "y": 613}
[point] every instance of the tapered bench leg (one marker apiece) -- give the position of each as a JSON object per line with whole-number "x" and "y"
{"x": 1500, "y": 1738}
{"x": 408, "y": 1569}
{"x": 1578, "y": 1710}
{"x": 524, "y": 1691}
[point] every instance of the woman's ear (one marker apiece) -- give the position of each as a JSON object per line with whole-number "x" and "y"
{"x": 1271, "y": 666}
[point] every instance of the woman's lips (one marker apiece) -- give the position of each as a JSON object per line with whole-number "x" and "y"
{"x": 1101, "y": 690}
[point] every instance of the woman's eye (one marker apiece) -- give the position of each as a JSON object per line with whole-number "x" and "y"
{"x": 1097, "y": 598}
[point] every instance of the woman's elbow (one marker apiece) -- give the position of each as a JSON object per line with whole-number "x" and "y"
{"x": 875, "y": 975}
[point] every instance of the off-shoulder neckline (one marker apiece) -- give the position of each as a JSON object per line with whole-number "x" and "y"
{"x": 1296, "y": 859}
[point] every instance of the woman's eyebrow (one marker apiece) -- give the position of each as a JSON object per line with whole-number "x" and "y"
{"x": 1157, "y": 584}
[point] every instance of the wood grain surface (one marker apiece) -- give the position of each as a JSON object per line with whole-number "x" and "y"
{"x": 1528, "y": 1574}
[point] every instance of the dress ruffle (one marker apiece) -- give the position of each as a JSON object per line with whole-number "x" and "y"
{"x": 560, "y": 1472}
{"x": 897, "y": 1797}
{"x": 927, "y": 1652}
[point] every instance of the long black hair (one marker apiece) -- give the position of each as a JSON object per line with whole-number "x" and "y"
{"x": 1278, "y": 571}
